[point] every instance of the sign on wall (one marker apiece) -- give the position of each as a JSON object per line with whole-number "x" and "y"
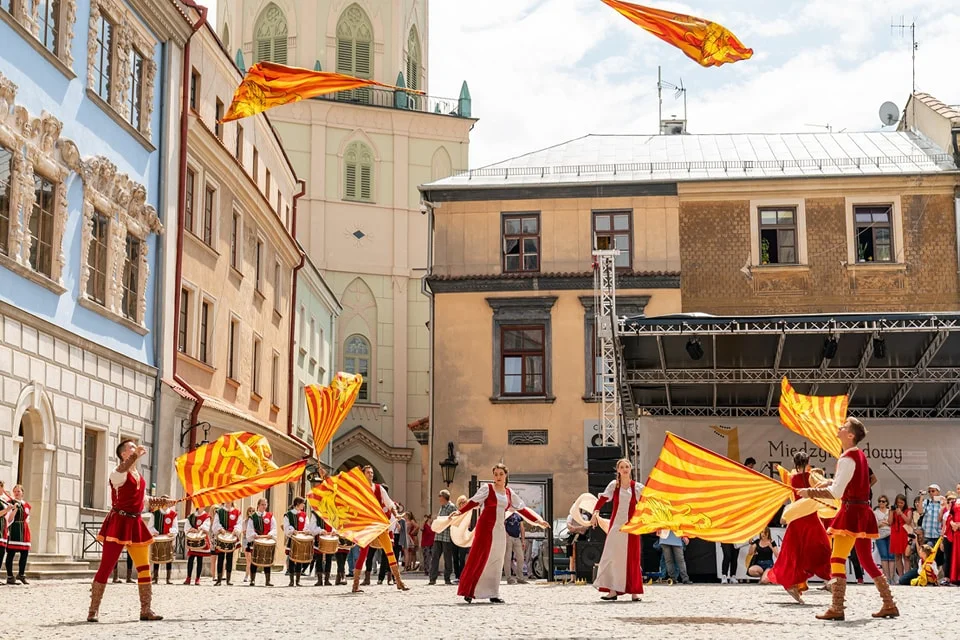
{"x": 591, "y": 437}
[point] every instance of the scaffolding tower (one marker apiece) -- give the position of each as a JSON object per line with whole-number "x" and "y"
{"x": 605, "y": 305}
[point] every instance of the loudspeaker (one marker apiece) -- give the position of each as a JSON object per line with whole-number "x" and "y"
{"x": 588, "y": 556}
{"x": 604, "y": 453}
{"x": 605, "y": 466}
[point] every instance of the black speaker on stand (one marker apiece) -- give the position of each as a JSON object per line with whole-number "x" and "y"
{"x": 601, "y": 470}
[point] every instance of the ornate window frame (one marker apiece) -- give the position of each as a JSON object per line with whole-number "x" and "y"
{"x": 37, "y": 149}
{"x": 123, "y": 202}
{"x": 532, "y": 311}
{"x": 24, "y": 15}
{"x": 359, "y": 156}
{"x": 129, "y": 34}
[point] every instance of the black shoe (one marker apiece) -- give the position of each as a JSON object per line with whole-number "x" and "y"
{"x": 11, "y": 580}
{"x": 496, "y": 600}
{"x": 217, "y": 582}
{"x": 468, "y": 599}
{"x": 251, "y": 584}
{"x": 432, "y": 582}
{"x": 22, "y": 579}
{"x": 609, "y": 598}
{"x": 269, "y": 584}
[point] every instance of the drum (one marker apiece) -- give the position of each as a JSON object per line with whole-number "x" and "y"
{"x": 196, "y": 540}
{"x": 263, "y": 551}
{"x": 301, "y": 547}
{"x": 344, "y": 545}
{"x": 225, "y": 542}
{"x": 327, "y": 544}
{"x": 161, "y": 550}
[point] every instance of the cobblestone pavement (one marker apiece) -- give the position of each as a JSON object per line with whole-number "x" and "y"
{"x": 54, "y": 609}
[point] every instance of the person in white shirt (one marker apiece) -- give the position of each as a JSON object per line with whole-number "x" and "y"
{"x": 261, "y": 524}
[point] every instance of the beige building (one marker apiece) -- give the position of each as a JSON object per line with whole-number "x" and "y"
{"x": 363, "y": 154}
{"x": 232, "y": 315}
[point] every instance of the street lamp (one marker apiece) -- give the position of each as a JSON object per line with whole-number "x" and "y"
{"x": 448, "y": 467}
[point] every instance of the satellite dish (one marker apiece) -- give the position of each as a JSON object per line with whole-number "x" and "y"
{"x": 889, "y": 114}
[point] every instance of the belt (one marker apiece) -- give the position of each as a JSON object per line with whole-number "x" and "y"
{"x": 866, "y": 502}
{"x": 125, "y": 514}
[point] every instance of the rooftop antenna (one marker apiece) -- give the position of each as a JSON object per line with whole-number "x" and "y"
{"x": 902, "y": 28}
{"x": 678, "y": 91}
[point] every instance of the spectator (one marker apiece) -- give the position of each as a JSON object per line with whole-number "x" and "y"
{"x": 763, "y": 552}
{"x": 460, "y": 553}
{"x": 951, "y": 540}
{"x": 672, "y": 548}
{"x": 901, "y": 525}
{"x": 883, "y": 515}
{"x": 750, "y": 463}
{"x": 922, "y": 552}
{"x": 931, "y": 518}
{"x": 516, "y": 537}
{"x": 412, "y": 532}
{"x": 443, "y": 545}
{"x": 427, "y": 537}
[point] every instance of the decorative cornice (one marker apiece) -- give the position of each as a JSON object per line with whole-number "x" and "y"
{"x": 552, "y": 191}
{"x": 360, "y": 435}
{"x": 547, "y": 282}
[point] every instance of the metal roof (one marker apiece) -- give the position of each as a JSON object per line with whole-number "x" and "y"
{"x": 891, "y": 364}
{"x": 609, "y": 159}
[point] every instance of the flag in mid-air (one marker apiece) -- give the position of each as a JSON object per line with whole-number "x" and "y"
{"x": 816, "y": 418}
{"x": 328, "y": 406}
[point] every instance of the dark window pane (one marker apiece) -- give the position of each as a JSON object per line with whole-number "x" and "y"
{"x": 530, "y": 245}
{"x": 530, "y": 263}
{"x": 511, "y": 247}
{"x": 512, "y": 340}
{"x": 131, "y": 278}
{"x": 532, "y": 340}
{"x": 788, "y": 255}
{"x": 604, "y": 243}
{"x": 6, "y": 166}
{"x": 787, "y": 238}
{"x": 513, "y": 263}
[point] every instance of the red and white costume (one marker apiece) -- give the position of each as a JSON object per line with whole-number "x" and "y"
{"x": 124, "y": 524}
{"x": 851, "y": 484}
{"x": 300, "y": 517}
{"x": 388, "y": 506}
{"x": 951, "y": 564}
{"x": 260, "y": 524}
{"x": 805, "y": 551}
{"x": 18, "y": 526}
{"x": 619, "y": 571}
{"x": 162, "y": 523}
{"x": 481, "y": 575}
{"x": 199, "y": 520}
{"x": 232, "y": 516}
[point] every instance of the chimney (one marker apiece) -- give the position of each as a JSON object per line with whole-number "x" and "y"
{"x": 673, "y": 126}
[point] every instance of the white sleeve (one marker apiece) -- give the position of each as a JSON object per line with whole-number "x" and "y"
{"x": 845, "y": 468}
{"x": 251, "y": 532}
{"x": 273, "y": 527}
{"x": 206, "y": 525}
{"x": 174, "y": 524}
{"x": 216, "y": 526}
{"x": 516, "y": 502}
{"x": 117, "y": 478}
{"x": 388, "y": 503}
{"x": 238, "y": 529}
{"x": 608, "y": 493}
{"x": 638, "y": 490}
{"x": 287, "y": 527}
{"x": 482, "y": 492}
{"x": 148, "y": 520}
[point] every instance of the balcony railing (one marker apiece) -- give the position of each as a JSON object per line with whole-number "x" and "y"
{"x": 92, "y": 548}
{"x": 390, "y": 99}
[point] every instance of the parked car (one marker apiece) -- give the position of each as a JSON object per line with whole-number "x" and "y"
{"x": 539, "y": 550}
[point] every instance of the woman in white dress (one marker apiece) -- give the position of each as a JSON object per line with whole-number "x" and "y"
{"x": 481, "y": 575}
{"x": 619, "y": 572}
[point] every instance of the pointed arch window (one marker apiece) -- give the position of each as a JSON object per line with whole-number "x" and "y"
{"x": 355, "y": 50}
{"x": 414, "y": 60}
{"x": 270, "y": 36}
{"x": 358, "y": 172}
{"x": 356, "y": 359}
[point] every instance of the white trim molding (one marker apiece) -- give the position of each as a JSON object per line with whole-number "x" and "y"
{"x": 787, "y": 202}
{"x": 893, "y": 200}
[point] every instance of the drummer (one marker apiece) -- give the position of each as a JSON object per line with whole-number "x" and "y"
{"x": 294, "y": 520}
{"x": 317, "y": 527}
{"x": 197, "y": 522}
{"x": 260, "y": 525}
{"x": 161, "y": 522}
{"x": 226, "y": 522}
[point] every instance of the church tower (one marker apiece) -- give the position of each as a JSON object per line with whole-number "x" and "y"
{"x": 363, "y": 154}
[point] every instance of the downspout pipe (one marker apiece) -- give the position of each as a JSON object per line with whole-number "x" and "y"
{"x": 425, "y": 290}
{"x": 308, "y": 450}
{"x": 181, "y": 209}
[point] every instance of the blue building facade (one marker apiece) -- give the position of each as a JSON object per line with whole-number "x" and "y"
{"x": 85, "y": 142}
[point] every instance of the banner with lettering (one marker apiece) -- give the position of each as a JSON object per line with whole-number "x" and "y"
{"x": 918, "y": 451}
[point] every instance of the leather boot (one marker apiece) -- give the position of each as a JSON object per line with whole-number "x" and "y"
{"x": 292, "y": 578}
{"x": 326, "y": 578}
{"x": 889, "y": 608}
{"x": 340, "y": 578}
{"x": 356, "y": 582}
{"x": 835, "y": 612}
{"x": 146, "y": 597}
{"x": 168, "y": 574}
{"x": 395, "y": 570}
{"x": 298, "y": 578}
{"x": 96, "y": 595}
{"x": 129, "y": 579}
{"x": 319, "y": 579}
{"x": 366, "y": 578}
{"x": 156, "y": 576}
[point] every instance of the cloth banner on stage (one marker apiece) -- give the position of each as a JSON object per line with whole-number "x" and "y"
{"x": 249, "y": 486}
{"x": 709, "y": 43}
{"x": 267, "y": 85}
{"x": 698, "y": 493}
{"x": 328, "y": 406}
{"x": 346, "y": 503}
{"x": 231, "y": 457}
{"x": 816, "y": 418}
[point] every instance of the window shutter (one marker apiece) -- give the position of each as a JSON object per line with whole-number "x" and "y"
{"x": 263, "y": 50}
{"x": 364, "y": 62}
{"x": 345, "y": 56}
{"x": 280, "y": 50}
{"x": 350, "y": 190}
{"x": 366, "y": 180}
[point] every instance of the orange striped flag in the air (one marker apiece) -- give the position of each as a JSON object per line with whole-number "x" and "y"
{"x": 328, "y": 406}
{"x": 231, "y": 457}
{"x": 816, "y": 418}
{"x": 246, "y": 487}
{"x": 346, "y": 503}
{"x": 695, "y": 492}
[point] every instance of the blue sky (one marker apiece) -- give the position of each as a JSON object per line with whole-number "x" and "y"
{"x": 544, "y": 71}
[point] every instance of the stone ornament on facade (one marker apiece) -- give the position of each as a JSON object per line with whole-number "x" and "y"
{"x": 36, "y": 151}
{"x": 64, "y": 14}
{"x": 123, "y": 203}
{"x": 128, "y": 35}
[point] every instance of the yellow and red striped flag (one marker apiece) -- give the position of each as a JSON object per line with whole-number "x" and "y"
{"x": 328, "y": 406}
{"x": 816, "y": 418}
{"x": 230, "y": 457}
{"x": 701, "y": 494}
{"x": 249, "y": 486}
{"x": 267, "y": 85}
{"x": 709, "y": 43}
{"x": 346, "y": 503}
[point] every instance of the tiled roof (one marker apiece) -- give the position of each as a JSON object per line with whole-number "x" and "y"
{"x": 616, "y": 159}
{"x": 951, "y": 112}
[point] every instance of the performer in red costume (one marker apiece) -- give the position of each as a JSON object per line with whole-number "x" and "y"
{"x": 17, "y": 517}
{"x": 294, "y": 521}
{"x": 805, "y": 551}
{"x": 390, "y": 509}
{"x": 260, "y": 524}
{"x": 226, "y": 519}
{"x": 951, "y": 564}
{"x": 123, "y": 527}
{"x": 197, "y": 523}
{"x": 619, "y": 571}
{"x": 855, "y": 524}
{"x": 162, "y": 522}
{"x": 481, "y": 575}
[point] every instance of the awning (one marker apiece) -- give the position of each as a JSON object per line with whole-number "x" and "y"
{"x": 896, "y": 365}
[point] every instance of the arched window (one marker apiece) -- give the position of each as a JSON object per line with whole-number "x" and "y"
{"x": 414, "y": 81}
{"x": 358, "y": 172}
{"x": 355, "y": 50}
{"x": 270, "y": 36}
{"x": 225, "y": 37}
{"x": 356, "y": 359}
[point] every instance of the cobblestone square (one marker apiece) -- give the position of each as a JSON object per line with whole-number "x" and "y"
{"x": 57, "y": 609}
